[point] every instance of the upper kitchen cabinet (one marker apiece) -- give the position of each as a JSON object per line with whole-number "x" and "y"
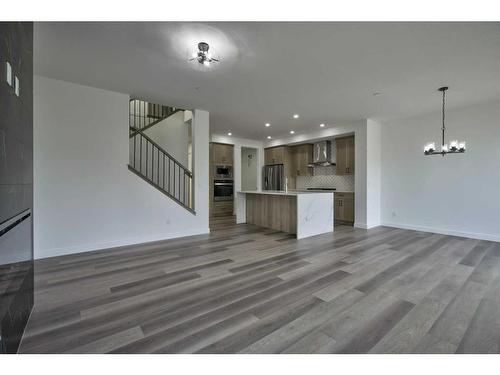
{"x": 302, "y": 158}
{"x": 344, "y": 155}
{"x": 275, "y": 155}
{"x": 222, "y": 154}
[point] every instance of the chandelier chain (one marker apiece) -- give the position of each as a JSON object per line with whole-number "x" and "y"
{"x": 443, "y": 108}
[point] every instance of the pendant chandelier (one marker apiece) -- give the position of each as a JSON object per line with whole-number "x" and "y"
{"x": 455, "y": 146}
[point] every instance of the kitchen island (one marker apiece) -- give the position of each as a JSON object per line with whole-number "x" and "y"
{"x": 302, "y": 213}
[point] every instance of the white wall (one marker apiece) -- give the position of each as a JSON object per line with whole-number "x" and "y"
{"x": 455, "y": 194}
{"x": 172, "y": 134}
{"x": 85, "y": 198}
{"x": 373, "y": 172}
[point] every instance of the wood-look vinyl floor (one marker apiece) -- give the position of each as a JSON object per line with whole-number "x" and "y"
{"x": 244, "y": 289}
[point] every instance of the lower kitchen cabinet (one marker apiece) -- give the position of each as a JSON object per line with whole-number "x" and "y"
{"x": 222, "y": 208}
{"x": 344, "y": 208}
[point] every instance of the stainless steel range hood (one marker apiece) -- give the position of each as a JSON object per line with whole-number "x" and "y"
{"x": 322, "y": 154}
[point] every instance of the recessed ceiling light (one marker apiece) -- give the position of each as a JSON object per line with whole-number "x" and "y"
{"x": 292, "y": 132}
{"x": 230, "y": 134}
{"x": 268, "y": 137}
{"x": 268, "y": 124}
{"x": 295, "y": 116}
{"x": 321, "y": 125}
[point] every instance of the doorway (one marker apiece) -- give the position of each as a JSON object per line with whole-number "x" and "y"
{"x": 248, "y": 168}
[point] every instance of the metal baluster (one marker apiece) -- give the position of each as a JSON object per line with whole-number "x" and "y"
{"x": 140, "y": 155}
{"x": 135, "y": 137}
{"x": 147, "y": 152}
{"x": 179, "y": 191}
{"x": 168, "y": 175}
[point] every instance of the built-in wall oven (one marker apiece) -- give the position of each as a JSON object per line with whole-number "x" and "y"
{"x": 223, "y": 190}
{"x": 223, "y": 171}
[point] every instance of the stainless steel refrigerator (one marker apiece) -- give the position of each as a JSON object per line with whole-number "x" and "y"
{"x": 274, "y": 177}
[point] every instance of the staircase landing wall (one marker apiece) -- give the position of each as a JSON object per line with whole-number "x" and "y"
{"x": 85, "y": 198}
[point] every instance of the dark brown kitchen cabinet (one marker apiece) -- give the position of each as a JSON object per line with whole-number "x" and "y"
{"x": 344, "y": 149}
{"x": 222, "y": 154}
{"x": 302, "y": 158}
{"x": 275, "y": 155}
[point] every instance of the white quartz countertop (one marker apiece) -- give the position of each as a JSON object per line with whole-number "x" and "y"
{"x": 281, "y": 192}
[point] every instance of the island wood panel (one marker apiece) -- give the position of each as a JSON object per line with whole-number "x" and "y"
{"x": 272, "y": 211}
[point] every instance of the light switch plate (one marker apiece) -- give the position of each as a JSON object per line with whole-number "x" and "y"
{"x": 8, "y": 73}
{"x": 16, "y": 85}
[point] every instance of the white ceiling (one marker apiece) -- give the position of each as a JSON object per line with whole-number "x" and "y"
{"x": 326, "y": 72}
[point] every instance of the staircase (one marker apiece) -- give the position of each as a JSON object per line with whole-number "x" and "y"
{"x": 150, "y": 161}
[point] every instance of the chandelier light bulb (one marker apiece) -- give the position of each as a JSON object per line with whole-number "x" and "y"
{"x": 430, "y": 147}
{"x": 461, "y": 146}
{"x": 454, "y": 145}
{"x": 444, "y": 148}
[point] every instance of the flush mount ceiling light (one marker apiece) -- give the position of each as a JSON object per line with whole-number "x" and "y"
{"x": 202, "y": 56}
{"x": 296, "y": 116}
{"x": 321, "y": 125}
{"x": 292, "y": 132}
{"x": 268, "y": 124}
{"x": 268, "y": 137}
{"x": 455, "y": 146}
{"x": 229, "y": 134}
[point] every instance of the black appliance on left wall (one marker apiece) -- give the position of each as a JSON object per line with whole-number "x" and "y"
{"x": 16, "y": 182}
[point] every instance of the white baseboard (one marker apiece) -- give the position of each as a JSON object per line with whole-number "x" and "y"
{"x": 478, "y": 236}
{"x": 365, "y": 226}
{"x": 67, "y": 250}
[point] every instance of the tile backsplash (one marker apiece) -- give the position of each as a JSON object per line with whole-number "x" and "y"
{"x": 325, "y": 177}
